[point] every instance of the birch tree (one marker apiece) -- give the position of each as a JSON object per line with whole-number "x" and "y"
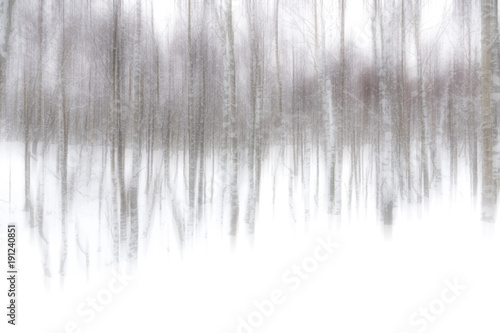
{"x": 136, "y": 139}
{"x": 6, "y": 7}
{"x": 233, "y": 116}
{"x": 256, "y": 106}
{"x": 191, "y": 128}
{"x": 340, "y": 123}
{"x": 63, "y": 116}
{"x": 488, "y": 209}
{"x": 495, "y": 98}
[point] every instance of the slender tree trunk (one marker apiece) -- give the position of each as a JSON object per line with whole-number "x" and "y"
{"x": 488, "y": 211}
{"x": 495, "y": 98}
{"x": 281, "y": 119}
{"x": 422, "y": 108}
{"x": 6, "y": 7}
{"x": 136, "y": 143}
{"x": 116, "y": 155}
{"x": 192, "y": 130}
{"x": 63, "y": 142}
{"x": 340, "y": 117}
{"x": 234, "y": 201}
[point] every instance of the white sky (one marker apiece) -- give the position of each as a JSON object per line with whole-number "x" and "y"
{"x": 357, "y": 14}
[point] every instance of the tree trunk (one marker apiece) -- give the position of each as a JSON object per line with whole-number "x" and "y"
{"x": 136, "y": 139}
{"x": 488, "y": 211}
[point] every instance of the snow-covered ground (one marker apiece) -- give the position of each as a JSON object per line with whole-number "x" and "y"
{"x": 435, "y": 271}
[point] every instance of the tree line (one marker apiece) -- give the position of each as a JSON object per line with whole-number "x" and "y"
{"x": 226, "y": 94}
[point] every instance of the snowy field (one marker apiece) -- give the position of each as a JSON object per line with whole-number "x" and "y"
{"x": 435, "y": 271}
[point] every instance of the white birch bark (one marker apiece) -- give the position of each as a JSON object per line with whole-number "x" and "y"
{"x": 136, "y": 140}
{"x": 488, "y": 211}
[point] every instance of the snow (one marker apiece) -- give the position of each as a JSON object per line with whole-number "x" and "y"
{"x": 376, "y": 280}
